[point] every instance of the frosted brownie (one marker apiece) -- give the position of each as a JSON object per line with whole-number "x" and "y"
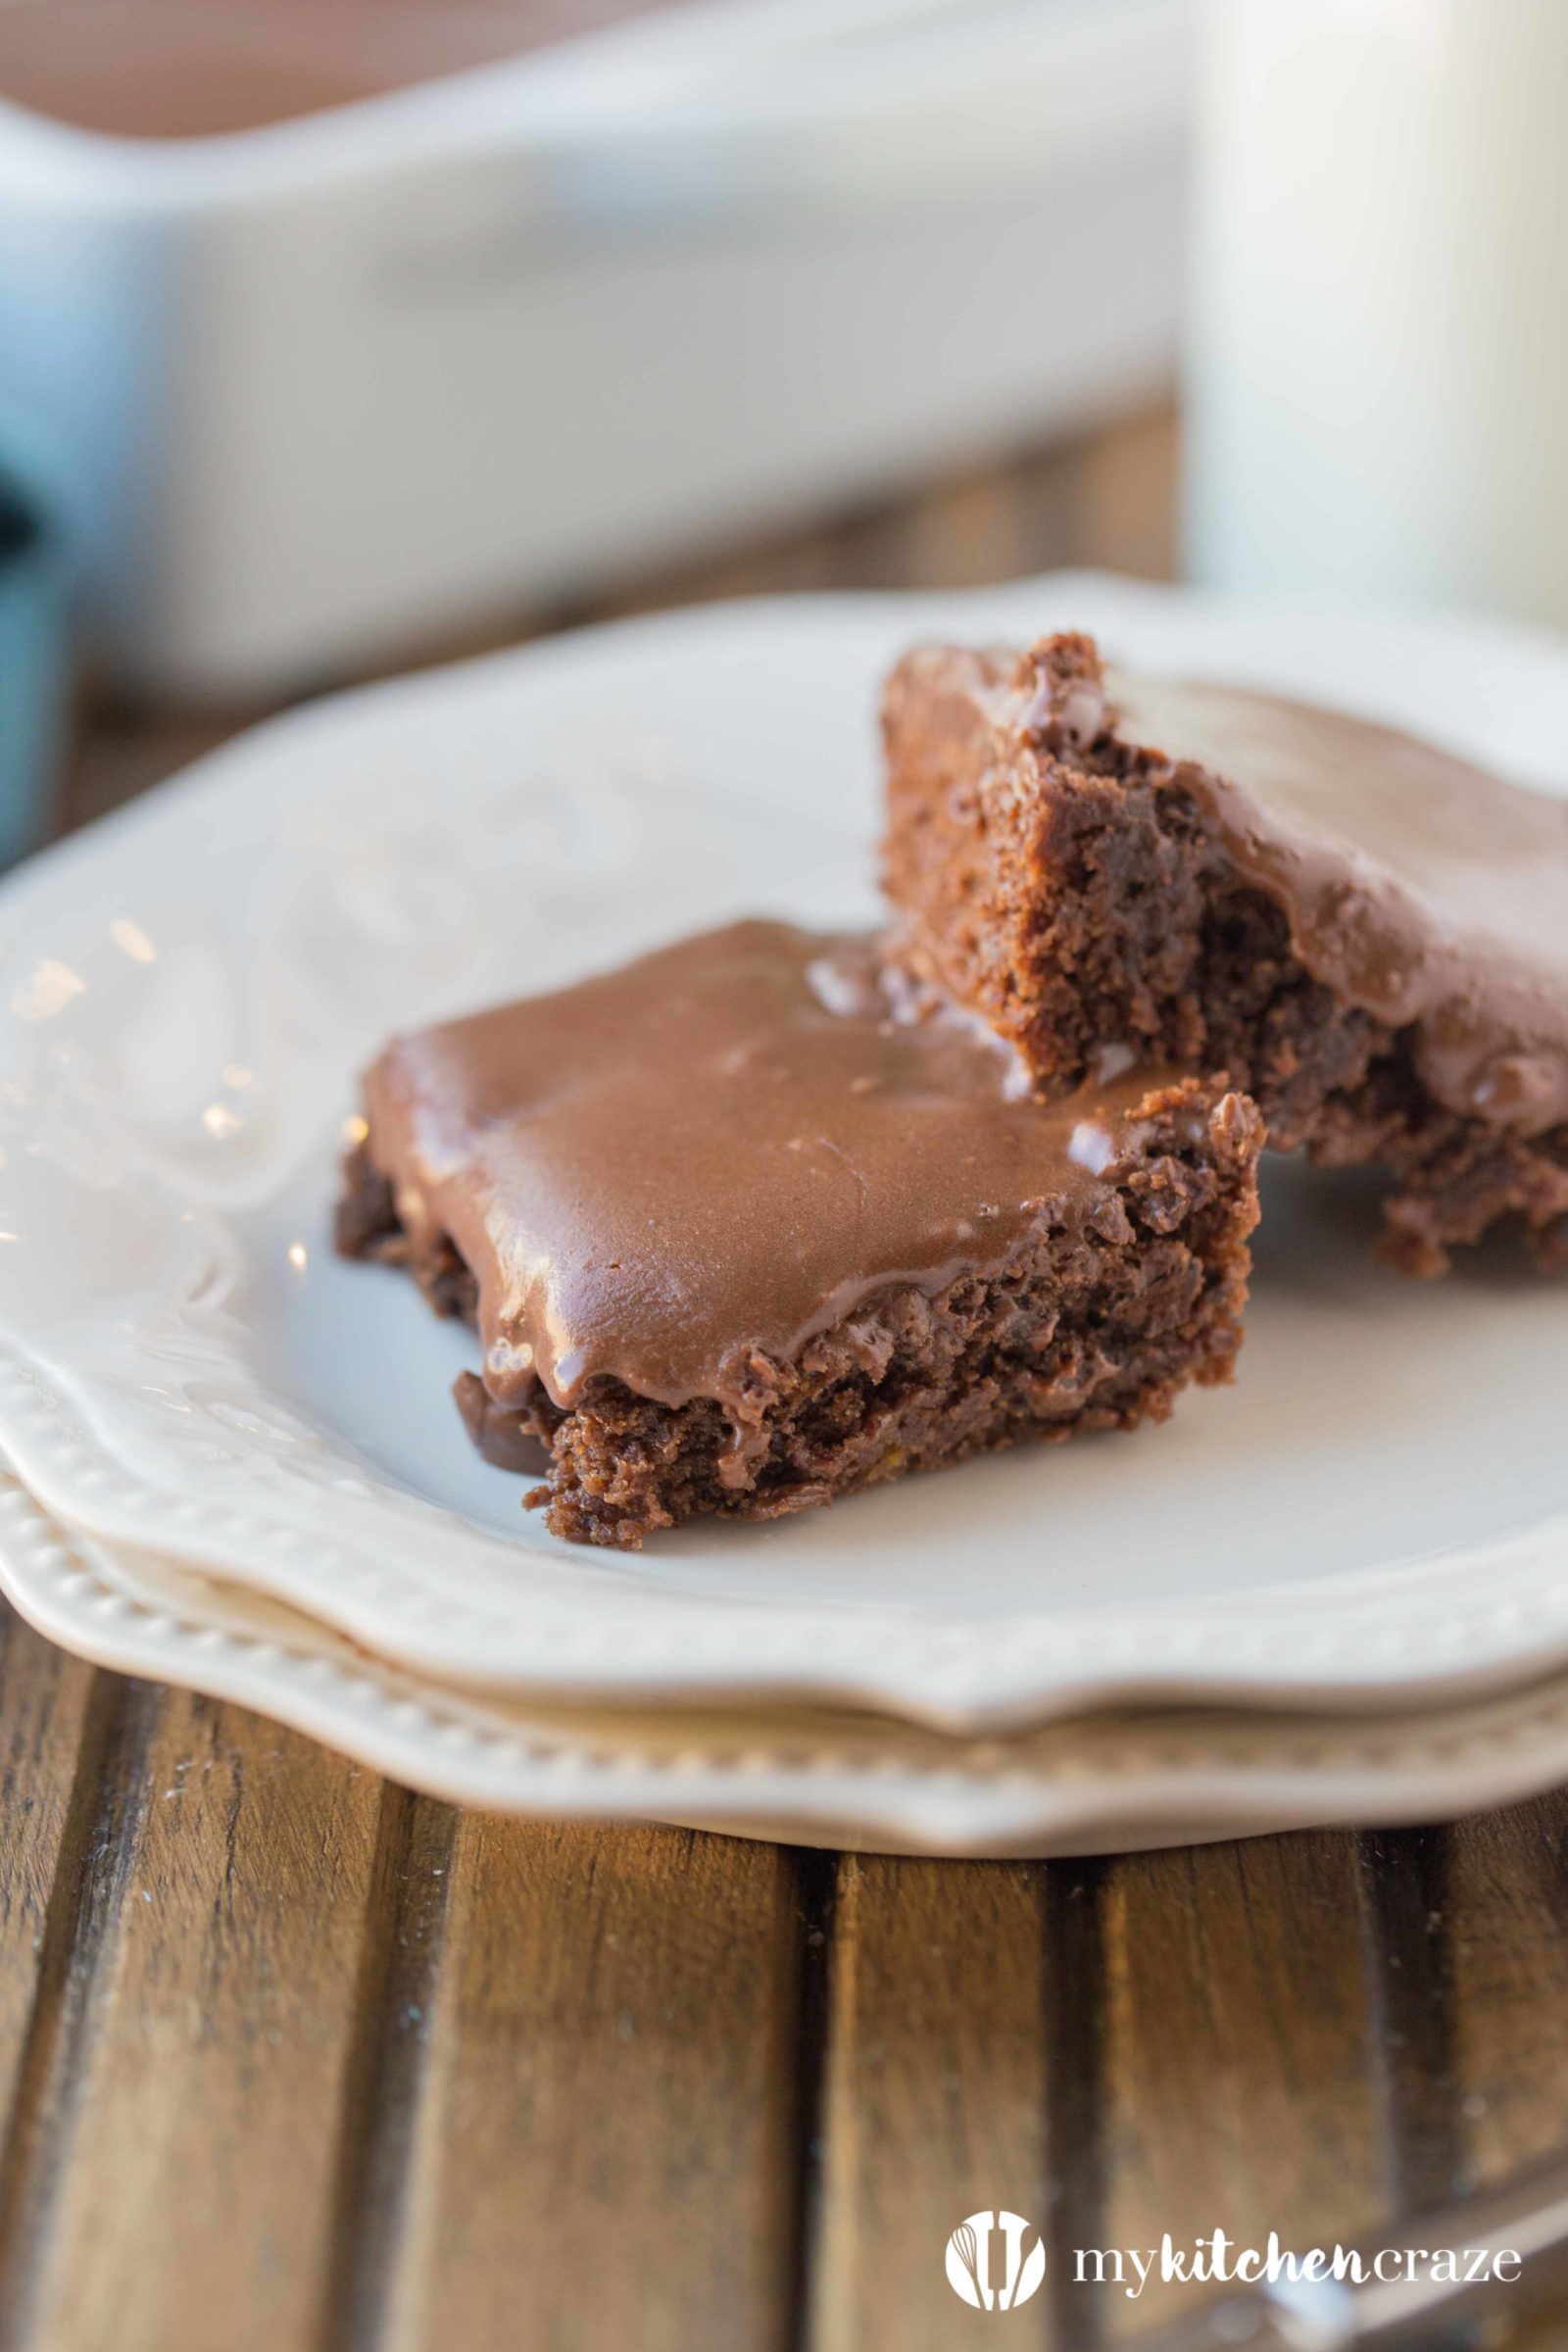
{"x": 1367, "y": 936}
{"x": 748, "y": 1223}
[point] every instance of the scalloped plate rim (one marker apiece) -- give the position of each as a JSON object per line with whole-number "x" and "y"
{"x": 930, "y": 1671}
{"x": 1433, "y": 1767}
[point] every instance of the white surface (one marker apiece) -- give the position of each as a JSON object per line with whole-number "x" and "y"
{"x": 1377, "y": 1512}
{"x": 1109, "y": 1784}
{"x": 343, "y": 382}
{"x": 1379, "y": 339}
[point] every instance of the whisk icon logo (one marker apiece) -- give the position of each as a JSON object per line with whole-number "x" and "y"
{"x": 988, "y": 2265}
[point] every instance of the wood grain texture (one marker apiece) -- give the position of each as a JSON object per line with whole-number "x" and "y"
{"x": 1505, "y": 1921}
{"x": 600, "y": 2147}
{"x": 60, "y": 1727}
{"x": 57, "y": 1722}
{"x": 934, "y": 2098}
{"x": 179, "y": 2184}
{"x": 1501, "y": 1914}
{"x": 1240, "y": 2085}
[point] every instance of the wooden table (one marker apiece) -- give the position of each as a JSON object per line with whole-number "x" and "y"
{"x": 290, "y": 2059}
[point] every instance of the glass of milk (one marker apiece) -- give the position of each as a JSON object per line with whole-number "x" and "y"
{"x": 1378, "y": 374}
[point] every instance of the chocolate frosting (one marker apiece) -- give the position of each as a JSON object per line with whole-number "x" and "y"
{"x": 723, "y": 1148}
{"x": 1423, "y": 889}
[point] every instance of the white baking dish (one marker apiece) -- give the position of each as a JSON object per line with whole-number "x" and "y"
{"x": 320, "y": 389}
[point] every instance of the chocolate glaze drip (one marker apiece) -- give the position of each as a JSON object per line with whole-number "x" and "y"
{"x": 719, "y": 1149}
{"x": 1423, "y": 889}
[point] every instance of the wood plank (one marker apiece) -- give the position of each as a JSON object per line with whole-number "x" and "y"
{"x": 179, "y": 2193}
{"x": 934, "y": 2102}
{"x": 1502, "y": 1909}
{"x": 1125, "y": 498}
{"x": 1506, "y": 1900}
{"x": 119, "y": 749}
{"x": 602, "y": 2149}
{"x": 965, "y": 533}
{"x": 1404, "y": 1877}
{"x": 1240, "y": 2056}
{"x": 1542, "y": 2327}
{"x": 1076, "y": 2058}
{"x": 55, "y": 1728}
{"x": 401, "y": 1959}
{"x": 1505, "y": 1919}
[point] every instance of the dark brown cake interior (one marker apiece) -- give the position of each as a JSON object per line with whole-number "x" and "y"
{"x": 980, "y": 1269}
{"x": 1087, "y": 893}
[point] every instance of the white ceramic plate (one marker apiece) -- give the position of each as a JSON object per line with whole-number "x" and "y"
{"x": 1375, "y": 1514}
{"x": 1105, "y": 1784}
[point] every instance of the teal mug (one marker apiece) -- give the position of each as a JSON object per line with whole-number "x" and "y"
{"x": 33, "y": 665}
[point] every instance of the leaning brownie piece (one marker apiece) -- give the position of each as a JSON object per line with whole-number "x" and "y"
{"x": 748, "y": 1223}
{"x": 1369, "y": 937}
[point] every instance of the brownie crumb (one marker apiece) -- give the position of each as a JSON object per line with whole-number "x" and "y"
{"x": 1082, "y": 890}
{"x": 1090, "y": 1327}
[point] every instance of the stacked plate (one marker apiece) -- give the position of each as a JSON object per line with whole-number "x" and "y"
{"x": 1338, "y": 1592}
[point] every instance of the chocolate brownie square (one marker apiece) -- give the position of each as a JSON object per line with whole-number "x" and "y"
{"x": 752, "y": 1222}
{"x": 1366, "y": 935}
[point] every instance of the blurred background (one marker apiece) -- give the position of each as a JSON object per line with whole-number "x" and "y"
{"x": 339, "y": 335}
